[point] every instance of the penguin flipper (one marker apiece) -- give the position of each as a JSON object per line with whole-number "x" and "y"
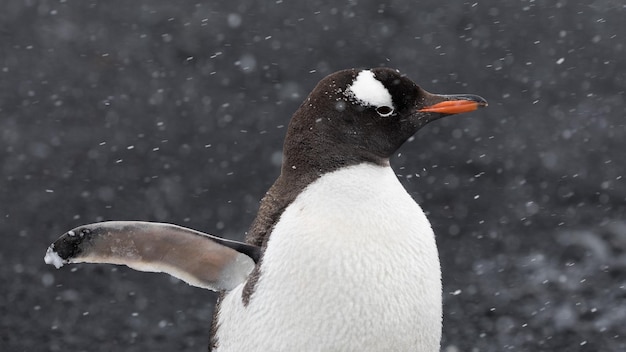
{"x": 197, "y": 258}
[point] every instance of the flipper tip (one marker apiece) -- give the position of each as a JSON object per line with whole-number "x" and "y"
{"x": 53, "y": 257}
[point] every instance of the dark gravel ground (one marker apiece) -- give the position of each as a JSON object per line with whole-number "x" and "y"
{"x": 175, "y": 111}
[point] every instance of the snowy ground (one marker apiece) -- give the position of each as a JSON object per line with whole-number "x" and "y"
{"x": 175, "y": 111}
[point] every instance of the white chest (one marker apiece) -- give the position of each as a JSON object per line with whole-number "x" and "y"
{"x": 352, "y": 265}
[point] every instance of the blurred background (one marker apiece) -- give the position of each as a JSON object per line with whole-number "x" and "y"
{"x": 175, "y": 111}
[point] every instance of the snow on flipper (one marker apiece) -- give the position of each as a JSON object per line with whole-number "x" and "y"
{"x": 53, "y": 257}
{"x": 197, "y": 258}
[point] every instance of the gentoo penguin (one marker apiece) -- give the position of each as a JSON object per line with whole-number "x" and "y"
{"x": 339, "y": 257}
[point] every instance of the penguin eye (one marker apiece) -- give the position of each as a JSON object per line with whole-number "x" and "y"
{"x": 384, "y": 111}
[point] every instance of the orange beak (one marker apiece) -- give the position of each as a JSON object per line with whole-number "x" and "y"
{"x": 456, "y": 104}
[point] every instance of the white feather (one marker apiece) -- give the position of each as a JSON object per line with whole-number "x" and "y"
{"x": 369, "y": 91}
{"x": 352, "y": 265}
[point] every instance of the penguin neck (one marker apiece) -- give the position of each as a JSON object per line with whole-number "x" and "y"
{"x": 311, "y": 158}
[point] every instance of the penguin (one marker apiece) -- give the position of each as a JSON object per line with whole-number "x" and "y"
{"x": 339, "y": 257}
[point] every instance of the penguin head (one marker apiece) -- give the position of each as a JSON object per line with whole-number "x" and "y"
{"x": 368, "y": 114}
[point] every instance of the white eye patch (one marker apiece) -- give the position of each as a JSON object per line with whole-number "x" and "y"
{"x": 369, "y": 91}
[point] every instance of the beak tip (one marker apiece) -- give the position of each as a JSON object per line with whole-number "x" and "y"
{"x": 482, "y": 102}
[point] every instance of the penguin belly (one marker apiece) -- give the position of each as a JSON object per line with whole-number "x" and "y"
{"x": 351, "y": 265}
